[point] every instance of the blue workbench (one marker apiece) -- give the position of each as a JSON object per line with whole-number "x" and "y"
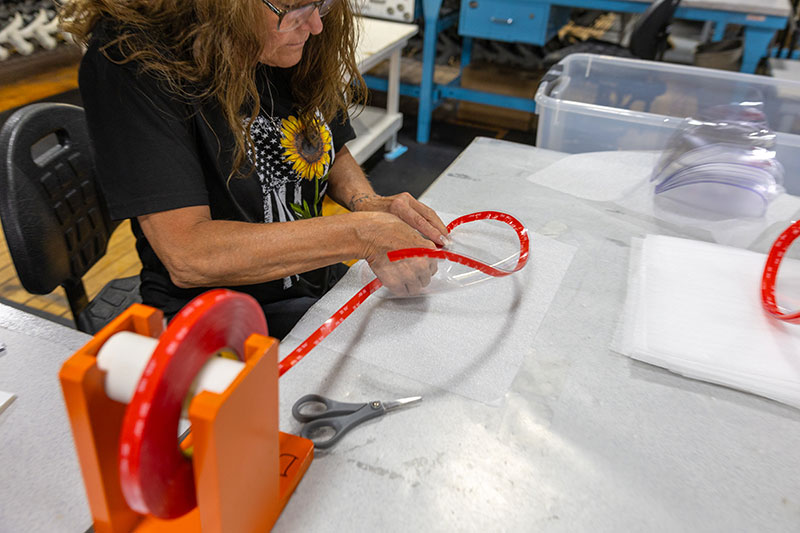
{"x": 536, "y": 21}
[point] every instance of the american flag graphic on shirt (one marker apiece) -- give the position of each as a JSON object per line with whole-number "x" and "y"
{"x": 291, "y": 169}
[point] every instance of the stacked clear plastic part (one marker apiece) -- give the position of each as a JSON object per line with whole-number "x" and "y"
{"x": 721, "y": 163}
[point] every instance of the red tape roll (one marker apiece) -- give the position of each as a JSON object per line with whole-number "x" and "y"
{"x": 323, "y": 331}
{"x": 155, "y": 477}
{"x": 769, "y": 278}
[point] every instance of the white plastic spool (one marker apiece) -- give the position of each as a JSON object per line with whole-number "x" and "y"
{"x": 125, "y": 355}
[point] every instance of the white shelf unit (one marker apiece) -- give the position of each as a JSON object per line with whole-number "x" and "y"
{"x": 379, "y": 40}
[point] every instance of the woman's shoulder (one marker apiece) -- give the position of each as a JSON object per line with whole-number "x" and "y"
{"x": 120, "y": 44}
{"x": 107, "y": 63}
{"x": 104, "y": 35}
{"x": 104, "y": 62}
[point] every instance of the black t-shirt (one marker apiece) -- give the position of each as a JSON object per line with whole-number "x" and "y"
{"x": 155, "y": 152}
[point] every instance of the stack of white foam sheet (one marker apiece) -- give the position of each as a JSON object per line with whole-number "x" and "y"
{"x": 694, "y": 308}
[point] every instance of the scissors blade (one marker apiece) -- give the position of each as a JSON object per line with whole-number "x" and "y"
{"x": 402, "y": 402}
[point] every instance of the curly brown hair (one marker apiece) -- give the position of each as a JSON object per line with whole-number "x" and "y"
{"x": 209, "y": 49}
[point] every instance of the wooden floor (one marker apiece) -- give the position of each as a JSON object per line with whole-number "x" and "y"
{"x": 44, "y": 85}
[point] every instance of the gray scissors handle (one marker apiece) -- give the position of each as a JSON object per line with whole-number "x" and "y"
{"x": 340, "y": 424}
{"x": 331, "y": 408}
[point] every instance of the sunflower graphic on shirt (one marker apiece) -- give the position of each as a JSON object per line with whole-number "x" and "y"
{"x": 309, "y": 158}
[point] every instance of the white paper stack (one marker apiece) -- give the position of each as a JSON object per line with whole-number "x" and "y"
{"x": 694, "y": 308}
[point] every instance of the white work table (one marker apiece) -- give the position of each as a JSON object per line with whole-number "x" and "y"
{"x": 380, "y": 40}
{"x": 583, "y": 439}
{"x": 41, "y": 488}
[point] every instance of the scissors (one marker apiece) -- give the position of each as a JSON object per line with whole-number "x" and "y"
{"x": 338, "y": 416}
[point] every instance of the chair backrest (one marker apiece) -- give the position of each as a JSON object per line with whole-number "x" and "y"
{"x": 54, "y": 219}
{"x": 649, "y": 36}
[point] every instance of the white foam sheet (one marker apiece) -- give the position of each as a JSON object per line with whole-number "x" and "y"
{"x": 470, "y": 341}
{"x": 599, "y": 176}
{"x": 694, "y": 308}
{"x": 623, "y": 179}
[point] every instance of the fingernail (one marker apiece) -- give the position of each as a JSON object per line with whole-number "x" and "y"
{"x": 445, "y": 240}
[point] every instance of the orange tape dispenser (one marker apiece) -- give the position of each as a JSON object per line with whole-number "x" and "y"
{"x": 138, "y": 477}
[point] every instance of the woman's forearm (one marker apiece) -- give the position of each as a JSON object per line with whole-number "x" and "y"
{"x": 200, "y": 252}
{"x": 347, "y": 183}
{"x": 204, "y": 252}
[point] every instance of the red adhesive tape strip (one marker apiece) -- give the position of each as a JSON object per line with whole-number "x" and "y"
{"x": 522, "y": 234}
{"x": 323, "y": 331}
{"x": 774, "y": 259}
{"x": 155, "y": 477}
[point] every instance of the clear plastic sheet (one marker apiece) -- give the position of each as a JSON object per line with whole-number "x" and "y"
{"x": 722, "y": 162}
{"x": 488, "y": 241}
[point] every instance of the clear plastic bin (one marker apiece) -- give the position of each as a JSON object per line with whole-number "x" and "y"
{"x": 589, "y": 103}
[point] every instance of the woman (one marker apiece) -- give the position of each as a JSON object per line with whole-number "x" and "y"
{"x": 218, "y": 127}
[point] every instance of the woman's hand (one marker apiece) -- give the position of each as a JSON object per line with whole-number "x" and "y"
{"x": 385, "y": 232}
{"x": 408, "y": 209}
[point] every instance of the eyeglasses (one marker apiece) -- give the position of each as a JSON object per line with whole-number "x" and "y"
{"x": 291, "y": 19}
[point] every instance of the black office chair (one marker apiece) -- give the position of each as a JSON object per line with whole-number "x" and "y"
{"x": 54, "y": 218}
{"x": 648, "y": 38}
